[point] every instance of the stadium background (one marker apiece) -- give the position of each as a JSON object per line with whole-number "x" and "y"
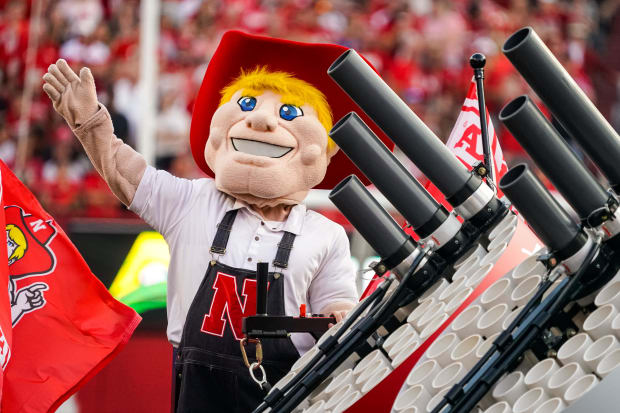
{"x": 420, "y": 47}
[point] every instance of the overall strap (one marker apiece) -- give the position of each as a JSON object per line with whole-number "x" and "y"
{"x": 284, "y": 250}
{"x": 223, "y": 232}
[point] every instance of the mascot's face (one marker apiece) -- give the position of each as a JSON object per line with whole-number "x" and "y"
{"x": 262, "y": 149}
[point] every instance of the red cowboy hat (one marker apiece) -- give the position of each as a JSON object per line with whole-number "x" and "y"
{"x": 306, "y": 61}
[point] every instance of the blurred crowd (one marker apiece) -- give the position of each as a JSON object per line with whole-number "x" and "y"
{"x": 420, "y": 47}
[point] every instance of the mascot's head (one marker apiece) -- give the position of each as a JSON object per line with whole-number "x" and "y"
{"x": 262, "y": 117}
{"x": 16, "y": 244}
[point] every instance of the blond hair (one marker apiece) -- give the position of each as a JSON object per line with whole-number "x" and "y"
{"x": 17, "y": 236}
{"x": 294, "y": 92}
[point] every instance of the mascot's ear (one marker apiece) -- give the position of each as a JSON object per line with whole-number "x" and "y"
{"x": 332, "y": 150}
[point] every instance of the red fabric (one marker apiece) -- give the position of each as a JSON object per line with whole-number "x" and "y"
{"x": 6, "y": 331}
{"x": 307, "y": 61}
{"x": 59, "y": 344}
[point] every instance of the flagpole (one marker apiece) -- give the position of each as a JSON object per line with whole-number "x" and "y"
{"x": 477, "y": 62}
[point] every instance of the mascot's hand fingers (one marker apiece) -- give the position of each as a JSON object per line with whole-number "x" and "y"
{"x": 37, "y": 302}
{"x": 51, "y": 92}
{"x": 51, "y": 80}
{"x": 68, "y": 73}
{"x": 53, "y": 70}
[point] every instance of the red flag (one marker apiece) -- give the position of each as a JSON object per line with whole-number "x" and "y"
{"x": 66, "y": 326}
{"x": 466, "y": 142}
{"x": 466, "y": 138}
{"x": 6, "y": 330}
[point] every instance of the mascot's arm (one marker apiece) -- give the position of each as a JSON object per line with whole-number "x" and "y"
{"x": 75, "y": 99}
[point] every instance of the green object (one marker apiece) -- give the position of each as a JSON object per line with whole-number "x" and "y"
{"x": 146, "y": 298}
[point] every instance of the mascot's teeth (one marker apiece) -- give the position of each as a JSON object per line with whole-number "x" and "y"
{"x": 260, "y": 148}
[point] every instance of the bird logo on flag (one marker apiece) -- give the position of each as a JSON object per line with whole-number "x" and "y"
{"x": 29, "y": 255}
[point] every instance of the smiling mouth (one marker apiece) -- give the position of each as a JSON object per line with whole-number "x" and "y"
{"x": 259, "y": 148}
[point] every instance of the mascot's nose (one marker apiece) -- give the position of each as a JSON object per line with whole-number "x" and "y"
{"x": 261, "y": 121}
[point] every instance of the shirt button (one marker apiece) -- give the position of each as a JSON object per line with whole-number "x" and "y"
{"x": 262, "y": 223}
{"x": 249, "y": 259}
{"x": 256, "y": 238}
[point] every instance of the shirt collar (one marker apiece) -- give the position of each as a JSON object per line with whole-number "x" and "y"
{"x": 294, "y": 222}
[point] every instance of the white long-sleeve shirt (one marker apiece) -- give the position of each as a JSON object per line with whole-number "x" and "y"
{"x": 186, "y": 213}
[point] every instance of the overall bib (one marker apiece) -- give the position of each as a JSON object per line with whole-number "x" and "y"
{"x": 209, "y": 370}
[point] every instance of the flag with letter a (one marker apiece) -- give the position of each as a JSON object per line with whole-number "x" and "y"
{"x": 466, "y": 137}
{"x": 64, "y": 324}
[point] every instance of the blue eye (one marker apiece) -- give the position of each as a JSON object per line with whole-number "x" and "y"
{"x": 290, "y": 112}
{"x": 247, "y": 103}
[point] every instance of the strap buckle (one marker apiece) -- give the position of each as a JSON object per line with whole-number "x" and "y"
{"x": 259, "y": 351}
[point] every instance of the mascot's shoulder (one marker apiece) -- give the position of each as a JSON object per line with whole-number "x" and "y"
{"x": 320, "y": 223}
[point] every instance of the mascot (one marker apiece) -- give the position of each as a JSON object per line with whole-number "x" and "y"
{"x": 260, "y": 127}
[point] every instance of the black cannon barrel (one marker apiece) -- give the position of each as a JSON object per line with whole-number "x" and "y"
{"x": 380, "y": 165}
{"x": 553, "y": 155}
{"x": 568, "y": 103}
{"x": 542, "y": 212}
{"x": 262, "y": 278}
{"x": 399, "y": 122}
{"x": 372, "y": 221}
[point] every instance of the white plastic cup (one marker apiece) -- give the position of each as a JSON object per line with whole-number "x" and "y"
{"x": 499, "y": 407}
{"x": 442, "y": 347}
{"x": 615, "y": 326}
{"x": 468, "y": 268}
{"x": 608, "y": 363}
{"x": 374, "y": 357}
{"x": 599, "y": 321}
{"x": 452, "y": 289}
{"x": 415, "y": 396}
{"x": 491, "y": 321}
{"x": 508, "y": 221}
{"x": 430, "y": 406}
{"x": 404, "y": 344}
{"x": 396, "y": 335}
{"x": 317, "y": 407}
{"x": 493, "y": 256}
{"x": 527, "y": 267}
{"x": 432, "y": 312}
{"x": 464, "y": 325}
{"x": 432, "y": 326}
{"x": 497, "y": 292}
{"x": 610, "y": 294}
{"x": 554, "y": 405}
{"x": 580, "y": 387}
{"x": 369, "y": 372}
{"x": 529, "y": 401}
{"x": 539, "y": 375}
{"x": 478, "y": 251}
{"x": 599, "y": 349}
{"x": 525, "y": 290}
{"x": 457, "y": 299}
{"x": 480, "y": 274}
{"x": 375, "y": 379}
{"x": 465, "y": 351}
{"x": 405, "y": 352}
{"x": 420, "y": 310}
{"x": 448, "y": 376}
{"x": 485, "y": 346}
{"x": 510, "y": 388}
{"x": 504, "y": 236}
{"x": 412, "y": 409}
{"x": 305, "y": 359}
{"x": 573, "y": 349}
{"x": 341, "y": 380}
{"x": 511, "y": 317}
{"x": 338, "y": 396}
{"x": 434, "y": 291}
{"x": 347, "y": 402}
{"x": 284, "y": 380}
{"x": 561, "y": 380}
{"x": 423, "y": 372}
